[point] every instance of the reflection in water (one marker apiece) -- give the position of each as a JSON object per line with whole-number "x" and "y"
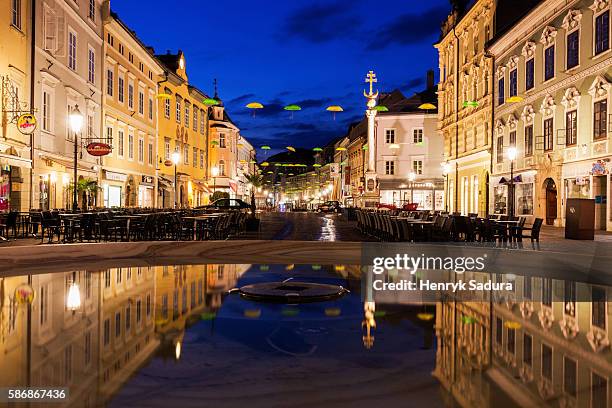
{"x": 546, "y": 343}
{"x": 149, "y": 335}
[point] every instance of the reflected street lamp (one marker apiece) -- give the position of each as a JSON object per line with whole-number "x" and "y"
{"x": 75, "y": 119}
{"x": 176, "y": 158}
{"x": 512, "y": 152}
{"x": 214, "y": 172}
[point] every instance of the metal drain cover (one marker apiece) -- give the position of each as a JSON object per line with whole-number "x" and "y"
{"x": 291, "y": 292}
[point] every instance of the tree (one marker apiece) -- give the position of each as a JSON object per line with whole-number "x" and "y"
{"x": 87, "y": 189}
{"x": 256, "y": 181}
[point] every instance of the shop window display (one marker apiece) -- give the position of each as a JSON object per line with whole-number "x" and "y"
{"x": 500, "y": 199}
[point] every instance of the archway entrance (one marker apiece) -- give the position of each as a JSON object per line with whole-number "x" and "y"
{"x": 182, "y": 196}
{"x": 550, "y": 189}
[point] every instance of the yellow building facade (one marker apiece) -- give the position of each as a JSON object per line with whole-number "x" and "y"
{"x": 182, "y": 129}
{"x": 130, "y": 119}
{"x": 15, "y": 157}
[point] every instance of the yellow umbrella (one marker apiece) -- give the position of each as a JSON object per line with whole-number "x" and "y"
{"x": 333, "y": 109}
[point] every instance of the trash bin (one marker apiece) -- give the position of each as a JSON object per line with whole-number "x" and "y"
{"x": 580, "y": 219}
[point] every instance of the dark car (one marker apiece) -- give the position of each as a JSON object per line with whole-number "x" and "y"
{"x": 228, "y": 204}
{"x": 329, "y": 206}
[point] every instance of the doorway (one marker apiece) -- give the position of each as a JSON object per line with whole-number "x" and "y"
{"x": 600, "y": 188}
{"x": 551, "y": 201}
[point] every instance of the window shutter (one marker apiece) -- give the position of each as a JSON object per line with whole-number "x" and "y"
{"x": 60, "y": 50}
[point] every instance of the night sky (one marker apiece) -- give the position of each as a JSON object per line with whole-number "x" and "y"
{"x": 310, "y": 53}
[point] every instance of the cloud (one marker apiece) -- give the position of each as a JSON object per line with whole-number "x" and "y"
{"x": 313, "y": 103}
{"x": 241, "y": 98}
{"x": 321, "y": 23}
{"x": 409, "y": 28}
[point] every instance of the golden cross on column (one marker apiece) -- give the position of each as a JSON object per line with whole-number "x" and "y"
{"x": 371, "y": 78}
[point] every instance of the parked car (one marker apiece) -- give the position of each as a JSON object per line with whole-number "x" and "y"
{"x": 329, "y": 206}
{"x": 227, "y": 204}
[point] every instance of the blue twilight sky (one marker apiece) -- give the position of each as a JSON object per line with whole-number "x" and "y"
{"x": 310, "y": 53}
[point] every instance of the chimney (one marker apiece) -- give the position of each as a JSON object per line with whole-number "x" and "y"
{"x": 430, "y": 79}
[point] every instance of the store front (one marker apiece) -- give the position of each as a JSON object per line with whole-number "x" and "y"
{"x": 146, "y": 191}
{"x": 113, "y": 189}
{"x": 524, "y": 194}
{"x": 591, "y": 180}
{"x": 14, "y": 194}
{"x": 428, "y": 195}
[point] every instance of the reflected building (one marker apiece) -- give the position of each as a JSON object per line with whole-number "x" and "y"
{"x": 13, "y": 327}
{"x": 544, "y": 343}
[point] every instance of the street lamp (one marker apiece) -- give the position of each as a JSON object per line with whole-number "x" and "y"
{"x": 215, "y": 172}
{"x": 176, "y": 158}
{"x": 75, "y": 118}
{"x": 446, "y": 168}
{"x": 512, "y": 152}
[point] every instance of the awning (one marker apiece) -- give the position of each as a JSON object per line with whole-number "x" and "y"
{"x": 201, "y": 185}
{"x": 233, "y": 186}
{"x": 15, "y": 161}
{"x": 69, "y": 164}
{"x": 164, "y": 182}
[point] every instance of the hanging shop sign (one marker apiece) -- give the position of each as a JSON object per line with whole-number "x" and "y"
{"x": 24, "y": 294}
{"x": 99, "y": 149}
{"x": 334, "y": 169}
{"x": 168, "y": 163}
{"x": 147, "y": 180}
{"x": 26, "y": 123}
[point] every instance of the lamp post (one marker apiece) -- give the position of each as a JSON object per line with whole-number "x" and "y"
{"x": 445, "y": 171}
{"x": 75, "y": 118}
{"x": 215, "y": 172}
{"x": 512, "y": 152}
{"x": 176, "y": 158}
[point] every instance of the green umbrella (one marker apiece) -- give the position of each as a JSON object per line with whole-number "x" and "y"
{"x": 292, "y": 108}
{"x": 317, "y": 149}
{"x": 381, "y": 108}
{"x": 265, "y": 147}
{"x": 210, "y": 102}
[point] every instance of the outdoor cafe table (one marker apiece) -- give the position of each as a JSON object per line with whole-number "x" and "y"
{"x": 423, "y": 225}
{"x": 507, "y": 226}
{"x": 69, "y": 220}
{"x": 198, "y": 220}
{"x": 128, "y": 220}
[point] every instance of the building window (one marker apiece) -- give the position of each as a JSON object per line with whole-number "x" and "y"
{"x": 106, "y": 336}
{"x": 598, "y": 307}
{"x": 187, "y": 109}
{"x": 547, "y": 292}
{"x": 201, "y": 159}
{"x": 511, "y": 341}
{"x": 178, "y": 110}
{"x": 569, "y": 298}
{"x": 109, "y": 82}
{"x": 120, "y": 143}
{"x": 92, "y": 10}
{"x": 573, "y": 49}
{"x": 150, "y": 108}
{"x": 600, "y": 119}
{"x": 548, "y": 134}
{"x": 128, "y": 318}
{"x": 389, "y": 136}
{"x": 138, "y": 311}
{"x": 500, "y": 149}
{"x": 602, "y": 32}
{"x": 221, "y": 167}
{"x": 390, "y": 168}
{"x": 417, "y": 166}
{"x": 16, "y": 13}
{"x": 417, "y": 136}
{"x": 109, "y": 135}
{"x": 202, "y": 121}
{"x": 500, "y": 91}
{"x": 513, "y": 83}
{"x": 549, "y": 63}
{"x": 46, "y": 111}
{"x": 140, "y": 150}
{"x": 571, "y": 127}
{"x": 167, "y": 149}
{"x": 513, "y": 138}
{"x": 121, "y": 49}
{"x": 141, "y": 102}
{"x": 195, "y": 119}
{"x": 569, "y": 376}
{"x": 599, "y": 391}
{"x": 547, "y": 363}
{"x": 195, "y": 157}
{"x": 72, "y": 50}
{"x": 499, "y": 331}
{"x": 90, "y": 126}
{"x": 222, "y": 140}
{"x": 529, "y": 74}
{"x": 167, "y": 108}
{"x": 186, "y": 154}
{"x": 131, "y": 96}
{"x": 120, "y": 89}
{"x": 529, "y": 140}
{"x": 130, "y": 146}
{"x": 117, "y": 324}
{"x": 91, "y": 66}
{"x": 527, "y": 350}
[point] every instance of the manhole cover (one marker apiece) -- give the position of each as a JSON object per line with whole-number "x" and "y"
{"x": 291, "y": 292}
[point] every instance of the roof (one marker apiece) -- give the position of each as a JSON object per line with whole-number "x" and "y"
{"x": 171, "y": 61}
{"x": 508, "y": 13}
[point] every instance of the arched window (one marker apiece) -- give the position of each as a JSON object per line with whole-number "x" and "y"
{"x": 222, "y": 167}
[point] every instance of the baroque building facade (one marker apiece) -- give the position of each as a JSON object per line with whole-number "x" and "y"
{"x": 553, "y": 72}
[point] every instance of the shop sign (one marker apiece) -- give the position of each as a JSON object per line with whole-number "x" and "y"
{"x": 146, "y": 180}
{"x": 109, "y": 175}
{"x": 168, "y": 163}
{"x": 24, "y": 294}
{"x": 26, "y": 123}
{"x": 99, "y": 149}
{"x": 334, "y": 169}
{"x": 599, "y": 168}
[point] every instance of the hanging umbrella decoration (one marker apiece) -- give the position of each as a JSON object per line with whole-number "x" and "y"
{"x": 333, "y": 109}
{"x": 291, "y": 149}
{"x": 317, "y": 149}
{"x": 254, "y": 106}
{"x": 292, "y": 108}
{"x": 381, "y": 108}
{"x": 210, "y": 102}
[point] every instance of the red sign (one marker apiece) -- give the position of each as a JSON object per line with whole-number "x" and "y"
{"x": 99, "y": 149}
{"x": 168, "y": 163}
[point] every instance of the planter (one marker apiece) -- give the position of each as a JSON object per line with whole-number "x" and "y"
{"x": 252, "y": 224}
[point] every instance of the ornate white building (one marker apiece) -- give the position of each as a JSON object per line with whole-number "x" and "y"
{"x": 553, "y": 70}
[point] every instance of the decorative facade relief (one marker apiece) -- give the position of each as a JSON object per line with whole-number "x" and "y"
{"x": 572, "y": 20}
{"x": 571, "y": 98}
{"x": 528, "y": 114}
{"x": 599, "y": 88}
{"x": 546, "y": 317}
{"x": 512, "y": 122}
{"x": 548, "y": 36}
{"x": 599, "y": 5}
{"x": 512, "y": 62}
{"x": 548, "y": 105}
{"x": 569, "y": 327}
{"x": 529, "y": 49}
{"x": 526, "y": 309}
{"x": 598, "y": 339}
